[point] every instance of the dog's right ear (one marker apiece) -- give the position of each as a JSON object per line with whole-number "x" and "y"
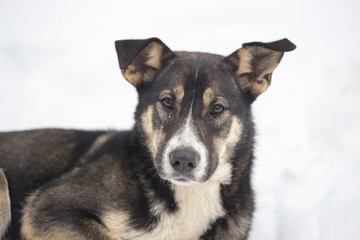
{"x": 140, "y": 59}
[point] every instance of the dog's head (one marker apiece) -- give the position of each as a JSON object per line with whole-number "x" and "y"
{"x": 194, "y": 107}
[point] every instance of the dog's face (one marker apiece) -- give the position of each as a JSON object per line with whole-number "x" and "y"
{"x": 190, "y": 118}
{"x": 193, "y": 107}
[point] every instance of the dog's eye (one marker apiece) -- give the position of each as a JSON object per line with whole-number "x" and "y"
{"x": 167, "y": 103}
{"x": 217, "y": 110}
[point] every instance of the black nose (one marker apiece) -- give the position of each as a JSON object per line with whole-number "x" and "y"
{"x": 184, "y": 160}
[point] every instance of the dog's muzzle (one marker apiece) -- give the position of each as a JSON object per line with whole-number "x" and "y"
{"x": 184, "y": 161}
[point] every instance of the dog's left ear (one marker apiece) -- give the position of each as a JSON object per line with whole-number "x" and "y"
{"x": 255, "y": 62}
{"x": 140, "y": 59}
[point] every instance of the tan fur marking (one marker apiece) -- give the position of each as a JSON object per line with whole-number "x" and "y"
{"x": 59, "y": 232}
{"x": 234, "y": 133}
{"x": 179, "y": 93}
{"x": 267, "y": 61}
{"x": 154, "y": 136}
{"x": 118, "y": 223}
{"x": 156, "y": 140}
{"x": 226, "y": 148}
{"x": 5, "y": 212}
{"x": 154, "y": 55}
{"x": 258, "y": 87}
{"x": 148, "y": 75}
{"x": 261, "y": 84}
{"x": 245, "y": 59}
{"x": 208, "y": 96}
{"x": 28, "y": 232}
{"x": 131, "y": 75}
{"x": 240, "y": 226}
{"x": 146, "y": 122}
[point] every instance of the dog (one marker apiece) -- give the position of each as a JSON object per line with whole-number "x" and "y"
{"x": 183, "y": 171}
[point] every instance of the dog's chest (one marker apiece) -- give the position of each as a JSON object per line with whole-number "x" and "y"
{"x": 199, "y": 205}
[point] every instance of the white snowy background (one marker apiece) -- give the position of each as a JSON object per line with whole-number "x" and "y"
{"x": 58, "y": 68}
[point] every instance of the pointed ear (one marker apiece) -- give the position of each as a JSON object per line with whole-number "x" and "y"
{"x": 140, "y": 59}
{"x": 255, "y": 62}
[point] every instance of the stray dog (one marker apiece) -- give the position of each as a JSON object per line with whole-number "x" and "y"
{"x": 183, "y": 171}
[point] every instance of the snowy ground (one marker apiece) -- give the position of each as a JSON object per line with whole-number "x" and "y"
{"x": 58, "y": 68}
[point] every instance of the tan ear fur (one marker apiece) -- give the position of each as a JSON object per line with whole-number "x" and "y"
{"x": 255, "y": 62}
{"x": 145, "y": 64}
{"x": 255, "y": 68}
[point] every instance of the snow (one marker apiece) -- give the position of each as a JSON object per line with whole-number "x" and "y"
{"x": 58, "y": 68}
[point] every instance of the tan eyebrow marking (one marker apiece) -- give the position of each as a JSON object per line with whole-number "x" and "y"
{"x": 179, "y": 93}
{"x": 208, "y": 96}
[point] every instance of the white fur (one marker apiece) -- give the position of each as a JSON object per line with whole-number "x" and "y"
{"x": 186, "y": 137}
{"x": 199, "y": 205}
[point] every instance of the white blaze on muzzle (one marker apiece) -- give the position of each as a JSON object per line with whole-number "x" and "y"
{"x": 186, "y": 138}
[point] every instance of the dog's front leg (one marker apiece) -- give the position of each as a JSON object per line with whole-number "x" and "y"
{"x": 229, "y": 228}
{"x": 38, "y": 226}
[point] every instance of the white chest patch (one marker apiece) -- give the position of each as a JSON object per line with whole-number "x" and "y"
{"x": 199, "y": 205}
